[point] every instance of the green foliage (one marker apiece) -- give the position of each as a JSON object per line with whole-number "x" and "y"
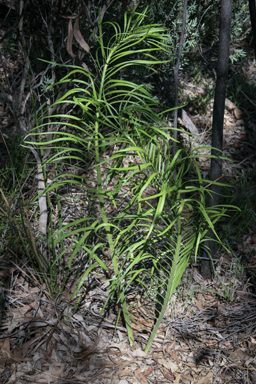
{"x": 202, "y": 29}
{"x": 46, "y": 83}
{"x": 13, "y": 173}
{"x": 10, "y": 44}
{"x": 229, "y": 274}
{"x": 242, "y": 92}
{"x": 242, "y": 193}
{"x": 16, "y": 167}
{"x": 203, "y": 78}
{"x": 139, "y": 246}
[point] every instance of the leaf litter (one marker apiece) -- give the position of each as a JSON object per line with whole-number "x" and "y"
{"x": 202, "y": 338}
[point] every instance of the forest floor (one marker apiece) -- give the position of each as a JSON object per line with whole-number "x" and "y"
{"x": 208, "y": 334}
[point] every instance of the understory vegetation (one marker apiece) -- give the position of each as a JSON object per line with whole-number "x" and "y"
{"x": 122, "y": 119}
{"x": 93, "y": 194}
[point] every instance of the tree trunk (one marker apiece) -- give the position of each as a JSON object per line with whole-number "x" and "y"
{"x": 176, "y": 74}
{"x": 252, "y": 9}
{"x": 217, "y": 124}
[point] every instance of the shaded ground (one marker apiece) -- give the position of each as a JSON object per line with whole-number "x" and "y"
{"x": 208, "y": 334}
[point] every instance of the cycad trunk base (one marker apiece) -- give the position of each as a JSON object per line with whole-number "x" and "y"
{"x": 137, "y": 136}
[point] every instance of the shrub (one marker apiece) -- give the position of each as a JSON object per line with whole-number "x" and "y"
{"x": 140, "y": 246}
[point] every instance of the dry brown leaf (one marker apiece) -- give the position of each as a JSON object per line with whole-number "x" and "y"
{"x": 237, "y": 356}
{"x": 170, "y": 347}
{"x": 79, "y": 38}
{"x": 175, "y": 357}
{"x": 190, "y": 362}
{"x": 167, "y": 375}
{"x": 139, "y": 353}
{"x": 125, "y": 372}
{"x": 177, "y": 380}
{"x": 249, "y": 361}
{"x": 29, "y": 344}
{"x": 168, "y": 364}
{"x": 208, "y": 297}
{"x": 26, "y": 308}
{"x": 198, "y": 303}
{"x": 70, "y": 38}
{"x": 140, "y": 376}
{"x": 7, "y": 272}
{"x": 148, "y": 371}
{"x": 56, "y": 370}
{"x": 206, "y": 379}
{"x": 67, "y": 295}
{"x": 34, "y": 290}
{"x": 5, "y": 348}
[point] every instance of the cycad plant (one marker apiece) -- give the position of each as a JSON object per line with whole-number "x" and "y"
{"x": 116, "y": 126}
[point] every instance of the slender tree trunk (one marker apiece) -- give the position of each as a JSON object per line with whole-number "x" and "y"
{"x": 217, "y": 125}
{"x": 176, "y": 74}
{"x": 252, "y": 9}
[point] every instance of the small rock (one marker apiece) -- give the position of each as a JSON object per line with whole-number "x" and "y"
{"x": 186, "y": 120}
{"x": 240, "y": 122}
{"x": 229, "y": 105}
{"x": 238, "y": 113}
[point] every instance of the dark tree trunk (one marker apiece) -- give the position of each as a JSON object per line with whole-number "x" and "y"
{"x": 176, "y": 74}
{"x": 252, "y": 9}
{"x": 217, "y": 124}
